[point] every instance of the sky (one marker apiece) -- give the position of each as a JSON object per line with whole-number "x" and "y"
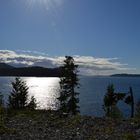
{"x": 102, "y": 35}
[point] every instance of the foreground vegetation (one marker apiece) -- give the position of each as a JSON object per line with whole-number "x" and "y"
{"x": 49, "y": 125}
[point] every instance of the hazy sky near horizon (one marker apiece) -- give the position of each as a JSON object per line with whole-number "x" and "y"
{"x": 107, "y": 29}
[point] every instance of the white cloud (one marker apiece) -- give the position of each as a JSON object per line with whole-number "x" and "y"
{"x": 88, "y": 65}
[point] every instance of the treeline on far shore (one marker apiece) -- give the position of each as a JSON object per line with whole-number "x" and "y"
{"x": 68, "y": 100}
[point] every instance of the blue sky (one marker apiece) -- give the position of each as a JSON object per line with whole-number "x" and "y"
{"x": 92, "y": 28}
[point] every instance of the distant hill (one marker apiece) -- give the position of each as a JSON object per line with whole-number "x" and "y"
{"x": 125, "y": 75}
{"x": 5, "y": 66}
{"x": 7, "y": 70}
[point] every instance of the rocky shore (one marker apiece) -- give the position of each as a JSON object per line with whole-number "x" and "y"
{"x": 48, "y": 125}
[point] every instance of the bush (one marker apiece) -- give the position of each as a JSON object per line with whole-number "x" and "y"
{"x": 115, "y": 113}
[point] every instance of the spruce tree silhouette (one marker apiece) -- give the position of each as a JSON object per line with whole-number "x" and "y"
{"x": 1, "y": 100}
{"x": 19, "y": 94}
{"x": 110, "y": 102}
{"x": 1, "y": 108}
{"x": 68, "y": 82}
{"x": 32, "y": 104}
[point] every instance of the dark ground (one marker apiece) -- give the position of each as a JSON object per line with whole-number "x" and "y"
{"x": 48, "y": 125}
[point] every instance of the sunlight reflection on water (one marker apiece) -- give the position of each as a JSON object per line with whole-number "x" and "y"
{"x": 92, "y": 90}
{"x": 45, "y": 90}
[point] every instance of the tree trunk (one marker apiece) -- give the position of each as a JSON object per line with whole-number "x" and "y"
{"x": 132, "y": 102}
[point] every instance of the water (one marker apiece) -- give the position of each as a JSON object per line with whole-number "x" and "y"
{"x": 45, "y": 90}
{"x": 92, "y": 90}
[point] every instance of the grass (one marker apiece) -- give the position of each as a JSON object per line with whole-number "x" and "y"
{"x": 129, "y": 136}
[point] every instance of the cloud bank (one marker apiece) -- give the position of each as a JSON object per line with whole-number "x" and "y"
{"x": 88, "y": 65}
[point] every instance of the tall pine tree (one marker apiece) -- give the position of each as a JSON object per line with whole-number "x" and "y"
{"x": 68, "y": 82}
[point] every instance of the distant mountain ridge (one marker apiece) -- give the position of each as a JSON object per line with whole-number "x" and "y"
{"x": 5, "y": 66}
{"x": 35, "y": 71}
{"x": 125, "y": 75}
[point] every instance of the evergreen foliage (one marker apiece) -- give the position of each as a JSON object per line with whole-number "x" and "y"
{"x": 1, "y": 100}
{"x": 2, "y": 111}
{"x": 19, "y": 94}
{"x": 115, "y": 112}
{"x": 110, "y": 102}
{"x": 68, "y": 82}
{"x": 32, "y": 104}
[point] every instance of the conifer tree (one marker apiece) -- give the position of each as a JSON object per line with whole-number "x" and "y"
{"x": 32, "y": 104}
{"x": 110, "y": 102}
{"x": 19, "y": 94}
{"x": 1, "y": 100}
{"x": 68, "y": 82}
{"x": 1, "y": 108}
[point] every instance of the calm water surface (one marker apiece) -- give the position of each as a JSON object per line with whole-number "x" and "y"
{"x": 46, "y": 91}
